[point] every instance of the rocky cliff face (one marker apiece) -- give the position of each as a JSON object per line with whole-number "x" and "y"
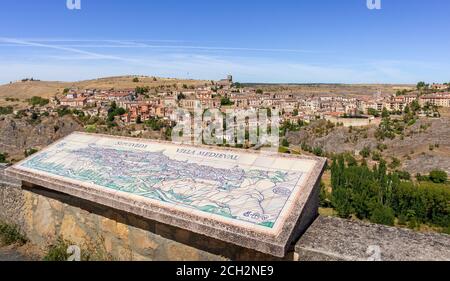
{"x": 425, "y": 145}
{"x": 18, "y": 135}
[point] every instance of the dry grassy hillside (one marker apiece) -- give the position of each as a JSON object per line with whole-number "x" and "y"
{"x": 126, "y": 82}
{"x": 26, "y": 90}
{"x": 335, "y": 89}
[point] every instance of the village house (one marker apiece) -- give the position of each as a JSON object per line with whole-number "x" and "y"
{"x": 201, "y": 95}
{"x": 240, "y": 102}
{"x": 439, "y": 87}
{"x": 91, "y": 111}
{"x": 396, "y": 104}
{"x": 441, "y": 100}
{"x": 211, "y": 103}
{"x": 78, "y": 102}
{"x": 121, "y": 96}
{"x": 189, "y": 104}
{"x": 282, "y": 96}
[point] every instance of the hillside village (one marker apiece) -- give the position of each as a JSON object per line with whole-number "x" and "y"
{"x": 142, "y": 104}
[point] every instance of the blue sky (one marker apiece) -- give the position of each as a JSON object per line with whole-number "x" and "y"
{"x": 338, "y": 41}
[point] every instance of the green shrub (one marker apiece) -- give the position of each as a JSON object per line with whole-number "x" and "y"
{"x": 424, "y": 203}
{"x": 30, "y": 152}
{"x": 38, "y": 101}
{"x": 383, "y": 215}
{"x": 58, "y": 251}
{"x": 6, "y": 110}
{"x": 376, "y": 156}
{"x": 404, "y": 175}
{"x": 365, "y": 152}
{"x": 438, "y": 176}
{"x": 90, "y": 129}
{"x": 318, "y": 151}
{"x": 225, "y": 101}
{"x": 3, "y": 157}
{"x": 11, "y": 235}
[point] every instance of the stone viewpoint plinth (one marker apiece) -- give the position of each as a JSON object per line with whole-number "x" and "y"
{"x": 235, "y": 203}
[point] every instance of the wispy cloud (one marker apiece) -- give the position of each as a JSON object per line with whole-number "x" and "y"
{"x": 60, "y": 48}
{"x": 89, "y": 43}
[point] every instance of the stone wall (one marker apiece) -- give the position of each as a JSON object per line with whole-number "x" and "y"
{"x": 342, "y": 240}
{"x": 354, "y": 122}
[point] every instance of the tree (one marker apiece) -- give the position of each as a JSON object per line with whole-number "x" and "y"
{"x": 63, "y": 111}
{"x": 259, "y": 91}
{"x": 237, "y": 85}
{"x": 407, "y": 110}
{"x": 225, "y": 101}
{"x": 342, "y": 202}
{"x": 380, "y": 197}
{"x": 373, "y": 112}
{"x": 385, "y": 113}
{"x": 421, "y": 85}
{"x": 115, "y": 111}
{"x": 438, "y": 176}
{"x": 285, "y": 143}
{"x": 142, "y": 90}
{"x": 341, "y": 195}
{"x": 383, "y": 215}
{"x": 415, "y": 106}
{"x": 155, "y": 124}
{"x": 136, "y": 80}
{"x": 38, "y": 101}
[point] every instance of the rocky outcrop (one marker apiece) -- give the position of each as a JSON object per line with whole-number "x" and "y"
{"x": 423, "y": 147}
{"x": 18, "y": 135}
